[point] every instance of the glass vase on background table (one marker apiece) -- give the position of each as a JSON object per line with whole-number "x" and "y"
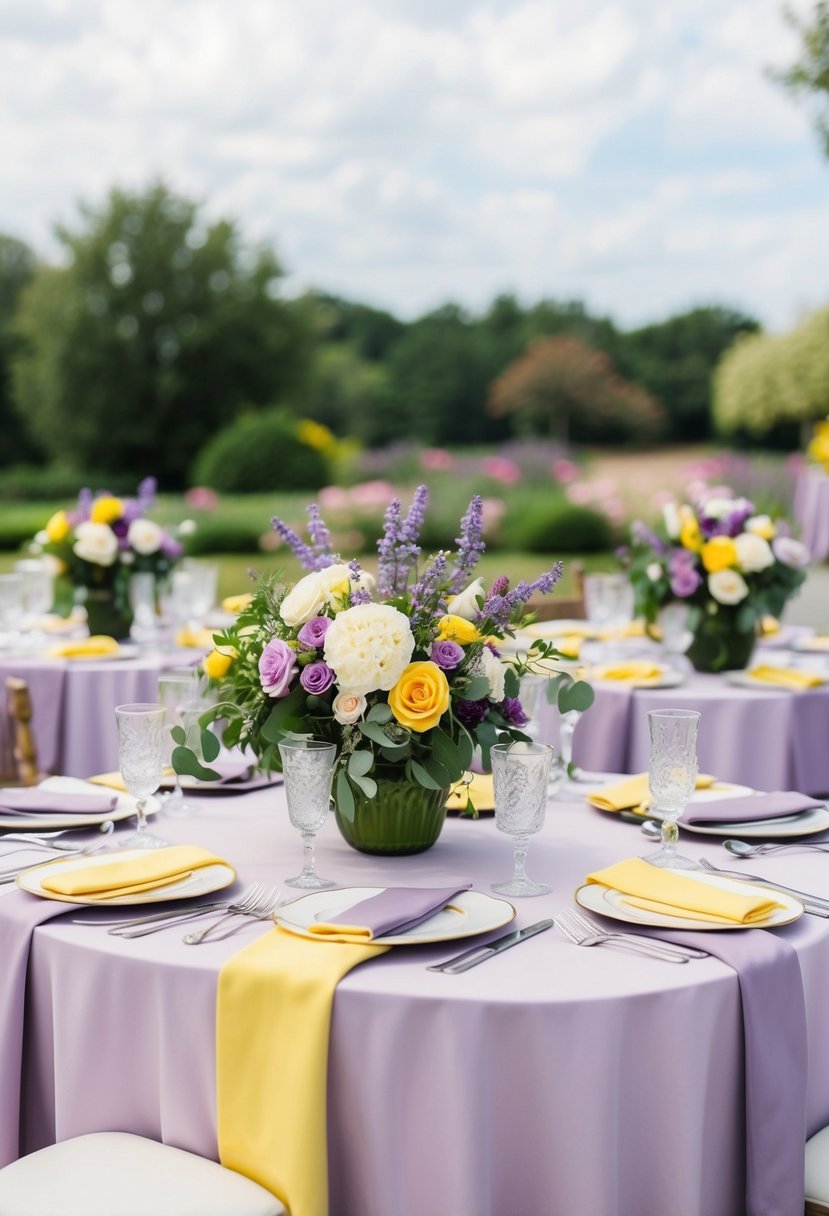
{"x": 142, "y": 748}
{"x": 11, "y": 611}
{"x": 38, "y": 597}
{"x": 308, "y": 767}
{"x": 672, "y": 776}
{"x": 179, "y": 692}
{"x": 520, "y": 772}
{"x": 608, "y": 605}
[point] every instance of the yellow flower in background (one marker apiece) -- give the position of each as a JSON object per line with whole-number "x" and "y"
{"x": 719, "y": 553}
{"x": 106, "y": 509}
{"x": 689, "y": 533}
{"x": 818, "y": 448}
{"x": 315, "y": 435}
{"x": 217, "y": 664}
{"x": 455, "y": 629}
{"x": 58, "y": 527}
{"x": 762, "y": 526}
{"x": 420, "y": 697}
{"x": 236, "y": 603}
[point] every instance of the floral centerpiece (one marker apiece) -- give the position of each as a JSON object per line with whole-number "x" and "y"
{"x": 730, "y": 565}
{"x": 402, "y": 672}
{"x": 100, "y": 544}
{"x": 818, "y": 447}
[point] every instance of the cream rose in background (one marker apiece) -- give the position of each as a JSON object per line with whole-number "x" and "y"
{"x": 96, "y": 543}
{"x": 145, "y": 536}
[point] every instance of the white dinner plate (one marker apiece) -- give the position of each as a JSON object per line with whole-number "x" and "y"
{"x": 668, "y": 679}
{"x": 742, "y": 679}
{"x": 198, "y": 882}
{"x": 819, "y": 644}
{"x": 53, "y": 821}
{"x": 126, "y": 650}
{"x": 803, "y": 824}
{"x": 548, "y": 631}
{"x": 608, "y": 901}
{"x": 468, "y": 913}
{"x": 194, "y": 786}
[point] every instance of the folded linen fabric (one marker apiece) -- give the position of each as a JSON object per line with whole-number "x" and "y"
{"x": 393, "y": 910}
{"x": 195, "y": 639}
{"x": 273, "y": 1019}
{"x": 84, "y": 648}
{"x": 236, "y": 603}
{"x": 34, "y": 800}
{"x": 633, "y": 792}
{"x": 635, "y": 670}
{"x": 786, "y": 677}
{"x": 775, "y": 805}
{"x": 669, "y": 893}
{"x": 131, "y": 875}
{"x": 476, "y": 788}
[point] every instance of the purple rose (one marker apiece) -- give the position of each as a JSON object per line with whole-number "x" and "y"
{"x": 681, "y": 560}
{"x": 316, "y": 677}
{"x": 447, "y": 655}
{"x": 513, "y": 712}
{"x": 313, "y": 632}
{"x": 277, "y": 667}
{"x": 684, "y": 582}
{"x": 471, "y": 713}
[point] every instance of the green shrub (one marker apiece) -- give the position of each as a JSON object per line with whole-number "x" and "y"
{"x": 558, "y": 526}
{"x": 26, "y": 482}
{"x": 223, "y": 535}
{"x": 260, "y": 452}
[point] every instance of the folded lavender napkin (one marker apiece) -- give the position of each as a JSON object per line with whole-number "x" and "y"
{"x": 32, "y": 800}
{"x": 775, "y": 805}
{"x": 393, "y": 910}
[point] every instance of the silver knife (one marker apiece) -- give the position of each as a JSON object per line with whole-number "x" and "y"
{"x": 479, "y": 954}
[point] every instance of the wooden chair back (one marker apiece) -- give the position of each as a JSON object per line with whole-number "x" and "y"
{"x": 18, "y": 753}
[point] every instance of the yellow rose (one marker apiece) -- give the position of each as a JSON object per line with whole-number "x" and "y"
{"x": 689, "y": 534}
{"x": 420, "y": 697}
{"x": 106, "y": 509}
{"x": 58, "y": 528}
{"x": 719, "y": 553}
{"x": 456, "y": 629}
{"x": 217, "y": 664}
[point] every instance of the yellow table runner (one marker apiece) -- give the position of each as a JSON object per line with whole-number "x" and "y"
{"x": 272, "y": 1028}
{"x": 672, "y": 894}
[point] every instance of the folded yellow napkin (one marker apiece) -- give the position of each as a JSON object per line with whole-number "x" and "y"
{"x": 98, "y": 644}
{"x": 196, "y": 639}
{"x": 769, "y": 626}
{"x": 550, "y": 630}
{"x": 476, "y": 788}
{"x": 818, "y": 641}
{"x": 273, "y": 1017}
{"x": 672, "y": 894}
{"x": 115, "y": 781}
{"x": 637, "y": 670}
{"x": 786, "y": 677}
{"x": 236, "y": 603}
{"x": 131, "y": 875}
{"x": 633, "y": 792}
{"x": 633, "y": 629}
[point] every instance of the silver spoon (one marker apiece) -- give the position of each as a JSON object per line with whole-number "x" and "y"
{"x": 740, "y": 848}
{"x": 651, "y": 829}
{"x": 48, "y": 840}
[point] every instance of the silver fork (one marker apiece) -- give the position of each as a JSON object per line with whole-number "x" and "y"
{"x": 260, "y": 902}
{"x": 593, "y": 926}
{"x": 569, "y": 924}
{"x": 816, "y": 904}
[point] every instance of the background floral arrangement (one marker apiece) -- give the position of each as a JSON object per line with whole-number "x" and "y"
{"x": 818, "y": 448}
{"x": 401, "y": 671}
{"x": 720, "y": 558}
{"x": 104, "y": 539}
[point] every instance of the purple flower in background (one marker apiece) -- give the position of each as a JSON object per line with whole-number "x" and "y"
{"x": 685, "y": 581}
{"x": 512, "y": 712}
{"x": 277, "y": 667}
{"x": 681, "y": 560}
{"x": 320, "y": 538}
{"x": 641, "y": 534}
{"x": 498, "y": 609}
{"x": 313, "y": 632}
{"x": 316, "y": 677}
{"x": 500, "y": 586}
{"x": 471, "y": 713}
{"x": 447, "y": 655}
{"x": 171, "y": 547}
{"x": 301, "y": 551}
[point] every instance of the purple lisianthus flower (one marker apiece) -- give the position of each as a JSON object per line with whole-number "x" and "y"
{"x": 685, "y": 581}
{"x": 447, "y": 655}
{"x": 313, "y": 632}
{"x": 513, "y": 711}
{"x": 171, "y": 547}
{"x": 316, "y": 677}
{"x": 790, "y": 552}
{"x": 277, "y": 667}
{"x": 681, "y": 560}
{"x": 471, "y": 713}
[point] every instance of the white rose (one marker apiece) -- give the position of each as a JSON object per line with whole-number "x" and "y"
{"x": 42, "y": 537}
{"x": 753, "y": 553}
{"x": 368, "y": 647}
{"x": 95, "y": 543}
{"x": 144, "y": 537}
{"x": 790, "y": 552}
{"x": 335, "y": 582}
{"x": 672, "y": 520}
{"x": 495, "y": 672}
{"x": 465, "y": 604}
{"x": 188, "y": 527}
{"x": 727, "y": 586}
{"x": 348, "y": 707}
{"x": 763, "y": 525}
{"x": 654, "y": 572}
{"x": 303, "y": 601}
{"x": 718, "y": 508}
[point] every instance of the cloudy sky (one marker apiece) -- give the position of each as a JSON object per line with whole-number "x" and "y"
{"x": 629, "y": 153}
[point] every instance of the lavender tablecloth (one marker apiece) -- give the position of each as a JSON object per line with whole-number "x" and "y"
{"x": 550, "y": 1081}
{"x": 811, "y": 510}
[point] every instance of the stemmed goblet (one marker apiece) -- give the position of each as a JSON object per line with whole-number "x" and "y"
{"x": 142, "y": 742}
{"x": 178, "y": 691}
{"x": 520, "y": 772}
{"x": 308, "y": 767}
{"x": 672, "y": 775}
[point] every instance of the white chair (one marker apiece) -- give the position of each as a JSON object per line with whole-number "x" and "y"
{"x": 817, "y": 1174}
{"x": 118, "y": 1174}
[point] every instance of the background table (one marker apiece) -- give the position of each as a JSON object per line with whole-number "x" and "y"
{"x": 811, "y": 510}
{"x": 551, "y": 1081}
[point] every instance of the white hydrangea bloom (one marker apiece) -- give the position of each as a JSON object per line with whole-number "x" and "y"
{"x": 368, "y": 647}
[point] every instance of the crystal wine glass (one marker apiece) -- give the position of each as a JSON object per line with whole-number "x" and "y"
{"x": 11, "y": 609}
{"x": 38, "y": 594}
{"x": 672, "y": 775}
{"x": 142, "y": 743}
{"x": 178, "y": 690}
{"x": 520, "y": 772}
{"x": 308, "y": 767}
{"x": 142, "y": 593}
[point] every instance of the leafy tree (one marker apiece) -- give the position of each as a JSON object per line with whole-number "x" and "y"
{"x": 155, "y": 331}
{"x": 370, "y": 332}
{"x": 810, "y": 73}
{"x": 17, "y": 267}
{"x": 563, "y": 388}
{"x": 348, "y": 394}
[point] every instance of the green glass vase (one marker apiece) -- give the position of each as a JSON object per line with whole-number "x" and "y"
{"x": 104, "y": 613}
{"x": 403, "y": 817}
{"x": 720, "y": 645}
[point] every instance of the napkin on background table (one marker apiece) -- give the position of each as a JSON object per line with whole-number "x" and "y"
{"x": 84, "y": 648}
{"x": 635, "y": 669}
{"x": 195, "y": 639}
{"x": 633, "y": 792}
{"x": 131, "y": 875}
{"x": 393, "y": 910}
{"x": 477, "y": 787}
{"x": 670, "y": 893}
{"x": 34, "y": 800}
{"x": 786, "y": 677}
{"x": 236, "y": 603}
{"x": 751, "y": 807}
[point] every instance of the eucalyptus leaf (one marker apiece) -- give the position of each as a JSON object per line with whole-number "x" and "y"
{"x": 345, "y": 798}
{"x": 379, "y": 713}
{"x": 425, "y": 778}
{"x": 438, "y": 772}
{"x": 375, "y": 732}
{"x": 476, "y": 689}
{"x": 179, "y": 735}
{"x": 210, "y": 746}
{"x": 367, "y": 784}
{"x": 578, "y": 695}
{"x": 466, "y": 749}
{"x": 187, "y": 764}
{"x": 512, "y": 684}
{"x": 359, "y": 763}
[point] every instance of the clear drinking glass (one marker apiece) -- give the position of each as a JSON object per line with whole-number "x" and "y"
{"x": 11, "y": 609}
{"x": 672, "y": 775}
{"x": 142, "y": 591}
{"x": 520, "y": 772}
{"x": 142, "y": 743}
{"x": 38, "y": 595}
{"x": 178, "y": 691}
{"x": 608, "y": 604}
{"x": 308, "y": 767}
{"x": 204, "y": 581}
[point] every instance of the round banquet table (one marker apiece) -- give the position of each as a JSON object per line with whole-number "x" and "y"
{"x": 73, "y": 704}
{"x": 550, "y": 1081}
{"x": 765, "y": 737}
